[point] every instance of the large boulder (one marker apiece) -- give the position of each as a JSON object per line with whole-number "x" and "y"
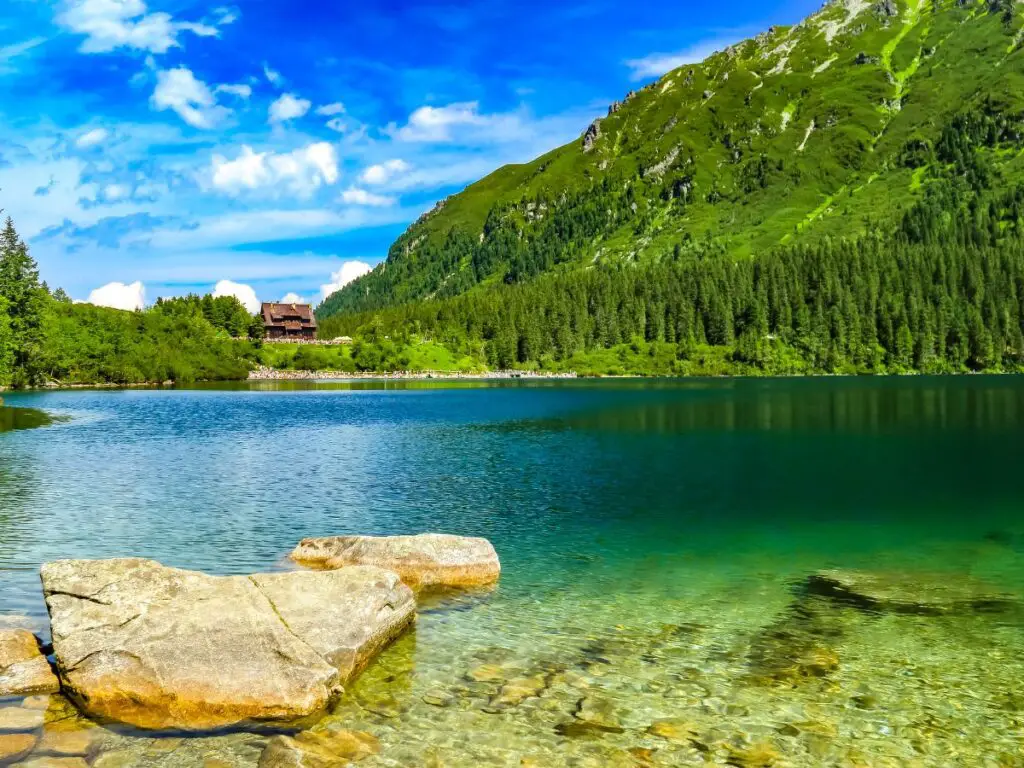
{"x": 24, "y": 671}
{"x": 157, "y": 647}
{"x": 909, "y": 592}
{"x": 427, "y": 560}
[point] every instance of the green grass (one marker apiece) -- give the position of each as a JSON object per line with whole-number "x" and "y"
{"x": 937, "y": 60}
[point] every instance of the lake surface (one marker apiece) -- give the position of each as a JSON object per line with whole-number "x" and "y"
{"x": 654, "y": 536}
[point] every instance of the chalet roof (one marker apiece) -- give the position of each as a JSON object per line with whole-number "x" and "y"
{"x": 292, "y": 316}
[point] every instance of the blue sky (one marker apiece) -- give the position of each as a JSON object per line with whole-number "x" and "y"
{"x": 159, "y": 147}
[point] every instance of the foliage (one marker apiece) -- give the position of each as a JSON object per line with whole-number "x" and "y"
{"x": 843, "y": 196}
{"x": 225, "y": 313}
{"x": 900, "y": 303}
{"x": 803, "y": 133}
{"x": 46, "y": 338}
{"x": 23, "y": 299}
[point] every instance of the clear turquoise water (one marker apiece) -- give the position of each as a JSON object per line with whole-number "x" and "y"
{"x": 617, "y": 508}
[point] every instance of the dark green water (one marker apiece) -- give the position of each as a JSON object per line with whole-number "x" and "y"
{"x": 618, "y": 509}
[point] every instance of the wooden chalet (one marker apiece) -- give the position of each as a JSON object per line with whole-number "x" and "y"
{"x": 289, "y": 321}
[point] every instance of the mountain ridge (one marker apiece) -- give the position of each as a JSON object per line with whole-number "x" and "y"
{"x": 826, "y": 128}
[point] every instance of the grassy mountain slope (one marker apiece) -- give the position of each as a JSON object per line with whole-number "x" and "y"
{"x": 828, "y": 127}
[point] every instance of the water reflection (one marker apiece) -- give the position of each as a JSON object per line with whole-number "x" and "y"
{"x": 845, "y": 406}
{"x": 22, "y": 418}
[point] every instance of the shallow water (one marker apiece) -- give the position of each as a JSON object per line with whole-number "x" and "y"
{"x": 654, "y": 537}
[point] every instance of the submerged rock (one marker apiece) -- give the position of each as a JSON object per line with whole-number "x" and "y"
{"x": 909, "y": 592}
{"x": 318, "y": 749}
{"x": 23, "y": 668}
{"x": 65, "y": 743}
{"x": 14, "y": 746}
{"x": 157, "y": 647}
{"x": 427, "y": 560}
{"x": 56, "y": 762}
{"x": 16, "y": 719}
{"x": 797, "y": 648}
{"x": 598, "y": 713}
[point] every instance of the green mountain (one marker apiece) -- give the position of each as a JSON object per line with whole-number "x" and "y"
{"x": 899, "y": 121}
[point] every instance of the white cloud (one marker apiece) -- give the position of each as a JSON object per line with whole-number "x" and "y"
{"x": 337, "y": 124}
{"x": 114, "y": 192}
{"x": 191, "y": 98}
{"x": 244, "y": 293}
{"x": 328, "y": 110}
{"x": 91, "y": 138}
{"x": 382, "y": 172}
{"x": 273, "y": 76}
{"x": 288, "y": 107}
{"x": 119, "y": 296}
{"x": 356, "y": 196}
{"x": 10, "y": 52}
{"x": 349, "y": 271}
{"x": 111, "y": 24}
{"x": 242, "y": 91}
{"x": 301, "y": 171}
{"x": 657, "y": 64}
{"x": 292, "y": 298}
{"x": 435, "y": 123}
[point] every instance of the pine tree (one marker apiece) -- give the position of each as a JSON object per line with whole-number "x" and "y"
{"x": 25, "y": 299}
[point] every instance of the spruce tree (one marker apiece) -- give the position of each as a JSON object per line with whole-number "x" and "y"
{"x": 24, "y": 296}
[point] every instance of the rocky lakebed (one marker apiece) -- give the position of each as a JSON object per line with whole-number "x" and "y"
{"x": 156, "y": 666}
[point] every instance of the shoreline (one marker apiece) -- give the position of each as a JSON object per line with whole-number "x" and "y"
{"x": 273, "y": 374}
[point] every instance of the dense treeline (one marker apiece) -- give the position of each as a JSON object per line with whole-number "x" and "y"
{"x": 869, "y": 307}
{"x": 940, "y": 291}
{"x": 46, "y": 339}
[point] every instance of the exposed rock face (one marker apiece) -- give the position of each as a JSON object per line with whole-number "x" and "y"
{"x": 159, "y": 647}
{"x": 886, "y": 8}
{"x": 427, "y": 560}
{"x": 592, "y": 135}
{"x": 909, "y": 592}
{"x": 24, "y": 670}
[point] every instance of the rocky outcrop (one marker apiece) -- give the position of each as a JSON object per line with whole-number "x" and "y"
{"x": 24, "y": 670}
{"x": 427, "y": 560}
{"x": 157, "y": 647}
{"x": 592, "y": 135}
{"x": 886, "y": 9}
{"x": 908, "y": 592}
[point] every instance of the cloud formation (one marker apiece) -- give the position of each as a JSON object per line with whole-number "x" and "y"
{"x": 241, "y": 90}
{"x": 435, "y": 123}
{"x": 382, "y": 172}
{"x": 179, "y": 90}
{"x": 349, "y": 271}
{"x": 10, "y": 52}
{"x": 301, "y": 171}
{"x": 111, "y": 24}
{"x": 288, "y": 107}
{"x": 244, "y": 293}
{"x": 292, "y": 298}
{"x": 92, "y": 138}
{"x": 657, "y": 64}
{"x": 119, "y": 296}
{"x": 328, "y": 110}
{"x": 357, "y": 196}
